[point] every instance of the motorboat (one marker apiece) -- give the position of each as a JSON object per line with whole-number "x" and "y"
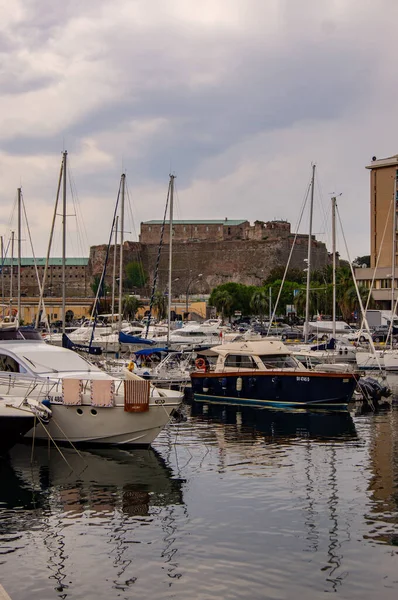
{"x": 87, "y": 404}
{"x": 18, "y": 415}
{"x": 265, "y": 373}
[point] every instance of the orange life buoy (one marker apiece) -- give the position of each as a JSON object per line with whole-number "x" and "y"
{"x": 200, "y": 364}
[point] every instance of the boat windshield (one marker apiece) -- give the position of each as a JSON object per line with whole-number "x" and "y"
{"x": 278, "y": 361}
{"x": 48, "y": 361}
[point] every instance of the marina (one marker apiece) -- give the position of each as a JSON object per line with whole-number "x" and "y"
{"x": 231, "y": 503}
{"x": 198, "y": 301}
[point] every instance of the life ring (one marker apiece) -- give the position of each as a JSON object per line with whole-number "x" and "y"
{"x": 131, "y": 366}
{"x": 200, "y": 364}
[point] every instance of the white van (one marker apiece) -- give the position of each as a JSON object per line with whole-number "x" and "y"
{"x": 327, "y": 327}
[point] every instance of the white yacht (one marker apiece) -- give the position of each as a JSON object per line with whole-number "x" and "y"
{"x": 87, "y": 404}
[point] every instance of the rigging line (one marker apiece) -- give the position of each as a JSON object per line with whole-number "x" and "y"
{"x": 290, "y": 256}
{"x": 33, "y": 254}
{"x": 137, "y": 251}
{"x": 14, "y": 207}
{"x": 158, "y": 261}
{"x": 185, "y": 251}
{"x": 357, "y": 291}
{"x": 131, "y": 212}
{"x": 75, "y": 251}
{"x": 81, "y": 232}
{"x": 378, "y": 258}
{"x": 100, "y": 288}
{"x": 326, "y": 214}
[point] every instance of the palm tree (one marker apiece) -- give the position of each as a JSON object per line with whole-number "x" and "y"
{"x": 130, "y": 305}
{"x": 160, "y": 304}
{"x": 223, "y": 302}
{"x": 259, "y": 303}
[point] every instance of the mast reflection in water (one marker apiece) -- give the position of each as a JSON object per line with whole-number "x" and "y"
{"x": 85, "y": 517}
{"x": 234, "y": 503}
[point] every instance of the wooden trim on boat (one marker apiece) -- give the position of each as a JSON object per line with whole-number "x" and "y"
{"x": 274, "y": 373}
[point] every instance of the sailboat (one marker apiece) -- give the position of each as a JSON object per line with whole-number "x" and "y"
{"x": 87, "y": 404}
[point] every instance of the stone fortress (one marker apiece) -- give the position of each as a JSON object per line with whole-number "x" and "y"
{"x": 207, "y": 253}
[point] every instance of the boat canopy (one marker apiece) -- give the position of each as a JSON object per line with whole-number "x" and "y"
{"x": 257, "y": 348}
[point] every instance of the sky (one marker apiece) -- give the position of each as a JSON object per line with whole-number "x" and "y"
{"x": 237, "y": 98}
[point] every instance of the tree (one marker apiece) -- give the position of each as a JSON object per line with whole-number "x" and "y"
{"x": 95, "y": 285}
{"x": 362, "y": 260}
{"x": 223, "y": 301}
{"x": 135, "y": 274}
{"x": 160, "y": 304}
{"x": 259, "y": 303}
{"x": 241, "y": 295}
{"x": 130, "y": 305}
{"x": 277, "y": 273}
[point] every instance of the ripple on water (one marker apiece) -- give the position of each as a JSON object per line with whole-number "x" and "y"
{"x": 232, "y": 504}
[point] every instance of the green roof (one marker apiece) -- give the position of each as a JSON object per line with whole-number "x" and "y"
{"x": 227, "y": 222}
{"x": 53, "y": 262}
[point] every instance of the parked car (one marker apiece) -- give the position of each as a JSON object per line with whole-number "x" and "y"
{"x": 291, "y": 333}
{"x": 381, "y": 335}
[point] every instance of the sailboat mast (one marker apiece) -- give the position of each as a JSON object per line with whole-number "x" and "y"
{"x": 394, "y": 249}
{"x": 123, "y": 182}
{"x": 114, "y": 268}
{"x": 12, "y": 270}
{"x": 307, "y": 298}
{"x": 2, "y": 271}
{"x": 170, "y": 256}
{"x": 334, "y": 265}
{"x": 19, "y": 253}
{"x": 65, "y": 154}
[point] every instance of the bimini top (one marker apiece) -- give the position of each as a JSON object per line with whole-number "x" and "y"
{"x": 257, "y": 348}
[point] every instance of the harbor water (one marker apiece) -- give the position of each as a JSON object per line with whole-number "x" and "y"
{"x": 232, "y": 503}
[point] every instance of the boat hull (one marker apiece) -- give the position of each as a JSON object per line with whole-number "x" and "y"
{"x": 13, "y": 427}
{"x": 86, "y": 424}
{"x": 279, "y": 389}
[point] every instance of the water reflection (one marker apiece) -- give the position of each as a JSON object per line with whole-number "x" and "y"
{"x": 101, "y": 494}
{"x": 382, "y": 516}
{"x": 275, "y": 424}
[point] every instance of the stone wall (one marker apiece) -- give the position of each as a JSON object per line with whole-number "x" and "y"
{"x": 200, "y": 266}
{"x": 78, "y": 280}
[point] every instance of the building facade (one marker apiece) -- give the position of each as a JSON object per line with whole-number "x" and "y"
{"x": 383, "y": 206}
{"x": 78, "y": 277}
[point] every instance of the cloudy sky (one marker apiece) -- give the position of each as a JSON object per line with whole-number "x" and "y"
{"x": 236, "y": 97}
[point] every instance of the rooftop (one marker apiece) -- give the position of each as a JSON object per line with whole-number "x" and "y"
{"x": 53, "y": 262}
{"x": 378, "y": 163}
{"x": 227, "y": 222}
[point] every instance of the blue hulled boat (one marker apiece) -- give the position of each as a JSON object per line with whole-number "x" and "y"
{"x": 265, "y": 373}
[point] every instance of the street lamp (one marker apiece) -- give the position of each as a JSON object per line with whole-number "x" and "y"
{"x": 190, "y": 282}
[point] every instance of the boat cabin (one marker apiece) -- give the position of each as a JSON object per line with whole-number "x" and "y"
{"x": 264, "y": 355}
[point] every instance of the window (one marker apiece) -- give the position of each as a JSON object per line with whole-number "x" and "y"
{"x": 195, "y": 228}
{"x": 9, "y": 364}
{"x": 229, "y": 231}
{"x": 149, "y": 228}
{"x": 239, "y": 361}
{"x": 278, "y": 361}
{"x": 207, "y": 229}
